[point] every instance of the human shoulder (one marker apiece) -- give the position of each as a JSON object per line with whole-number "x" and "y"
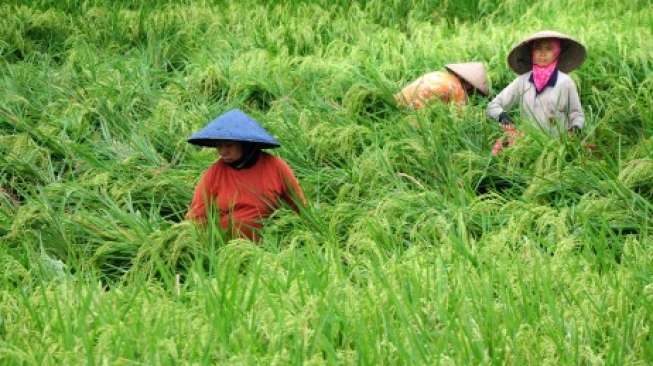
{"x": 521, "y": 81}
{"x": 266, "y": 160}
{"x": 564, "y": 79}
{"x": 214, "y": 168}
{"x": 524, "y": 78}
{"x": 435, "y": 74}
{"x": 212, "y": 172}
{"x": 272, "y": 160}
{"x": 434, "y": 77}
{"x": 518, "y": 84}
{"x": 277, "y": 164}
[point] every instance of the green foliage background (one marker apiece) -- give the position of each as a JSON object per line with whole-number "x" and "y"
{"x": 418, "y": 247}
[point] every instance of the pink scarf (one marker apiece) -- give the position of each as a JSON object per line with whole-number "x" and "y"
{"x": 542, "y": 74}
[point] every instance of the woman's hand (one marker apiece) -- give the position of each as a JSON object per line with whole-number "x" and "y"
{"x": 511, "y": 134}
{"x": 573, "y": 131}
{"x": 498, "y": 146}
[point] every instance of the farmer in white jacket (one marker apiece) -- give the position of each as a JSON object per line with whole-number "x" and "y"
{"x": 546, "y": 95}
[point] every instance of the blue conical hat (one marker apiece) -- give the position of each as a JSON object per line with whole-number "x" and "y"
{"x": 233, "y": 125}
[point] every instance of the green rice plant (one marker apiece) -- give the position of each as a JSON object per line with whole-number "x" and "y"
{"x": 417, "y": 246}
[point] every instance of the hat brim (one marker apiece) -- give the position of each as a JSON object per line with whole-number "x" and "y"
{"x": 203, "y": 142}
{"x": 572, "y": 53}
{"x": 483, "y": 89}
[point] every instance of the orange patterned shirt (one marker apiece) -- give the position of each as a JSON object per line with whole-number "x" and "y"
{"x": 439, "y": 84}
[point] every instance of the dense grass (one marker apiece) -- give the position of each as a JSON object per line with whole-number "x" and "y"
{"x": 418, "y": 247}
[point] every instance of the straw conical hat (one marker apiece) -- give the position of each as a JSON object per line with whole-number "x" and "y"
{"x": 572, "y": 52}
{"x": 233, "y": 125}
{"x": 473, "y": 73}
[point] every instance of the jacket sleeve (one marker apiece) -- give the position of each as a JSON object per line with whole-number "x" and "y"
{"x": 292, "y": 193}
{"x": 575, "y": 109}
{"x": 497, "y": 108}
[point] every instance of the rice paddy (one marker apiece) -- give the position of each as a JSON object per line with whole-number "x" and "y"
{"x": 418, "y": 246}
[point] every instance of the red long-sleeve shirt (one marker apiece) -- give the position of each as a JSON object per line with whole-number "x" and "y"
{"x": 244, "y": 197}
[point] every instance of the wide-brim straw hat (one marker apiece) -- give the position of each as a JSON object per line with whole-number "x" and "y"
{"x": 572, "y": 52}
{"x": 233, "y": 125}
{"x": 473, "y": 73}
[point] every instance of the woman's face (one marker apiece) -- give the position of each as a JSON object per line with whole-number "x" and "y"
{"x": 230, "y": 151}
{"x": 543, "y": 52}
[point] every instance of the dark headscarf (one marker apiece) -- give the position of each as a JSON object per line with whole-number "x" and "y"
{"x": 251, "y": 152}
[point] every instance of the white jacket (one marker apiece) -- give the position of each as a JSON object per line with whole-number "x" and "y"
{"x": 556, "y": 109}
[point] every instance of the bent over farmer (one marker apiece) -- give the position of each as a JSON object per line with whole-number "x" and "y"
{"x": 546, "y": 95}
{"x": 245, "y": 184}
{"x": 451, "y": 85}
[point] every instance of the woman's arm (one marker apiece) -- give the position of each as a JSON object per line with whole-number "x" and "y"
{"x": 574, "y": 108}
{"x": 497, "y": 108}
{"x": 292, "y": 192}
{"x": 202, "y": 196}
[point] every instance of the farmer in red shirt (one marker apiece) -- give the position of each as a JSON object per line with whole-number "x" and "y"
{"x": 245, "y": 184}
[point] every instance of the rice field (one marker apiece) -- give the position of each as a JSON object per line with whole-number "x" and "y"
{"x": 418, "y": 246}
